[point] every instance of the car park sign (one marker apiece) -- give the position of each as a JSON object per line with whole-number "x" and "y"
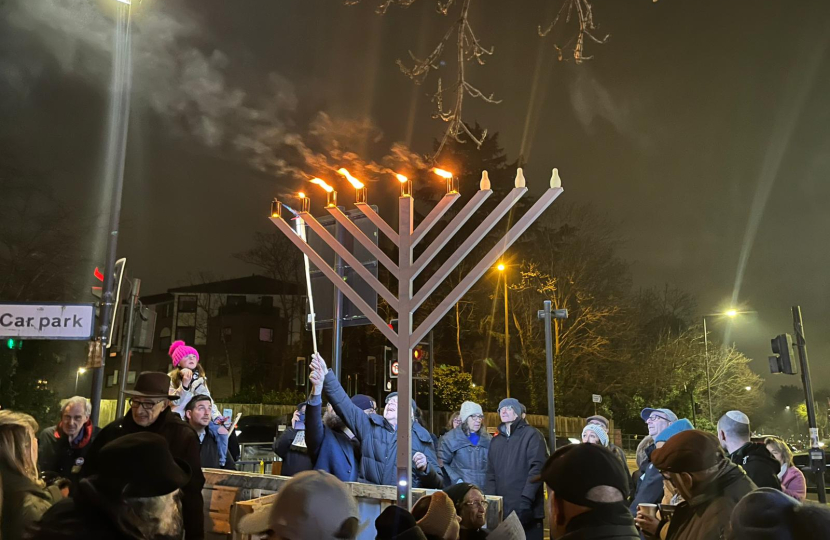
{"x": 47, "y": 321}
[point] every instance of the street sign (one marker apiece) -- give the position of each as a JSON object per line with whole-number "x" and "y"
{"x": 596, "y": 398}
{"x": 47, "y": 321}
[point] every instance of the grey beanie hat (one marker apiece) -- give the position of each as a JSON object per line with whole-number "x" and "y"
{"x": 513, "y": 403}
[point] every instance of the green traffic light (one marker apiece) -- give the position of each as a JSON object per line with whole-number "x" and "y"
{"x": 10, "y": 343}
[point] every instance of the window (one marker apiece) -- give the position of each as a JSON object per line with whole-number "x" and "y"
{"x": 236, "y": 300}
{"x": 266, "y": 334}
{"x": 188, "y": 335}
{"x": 227, "y": 334}
{"x": 187, "y": 303}
{"x": 164, "y": 340}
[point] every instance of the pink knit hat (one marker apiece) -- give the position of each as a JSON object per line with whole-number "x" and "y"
{"x": 178, "y": 350}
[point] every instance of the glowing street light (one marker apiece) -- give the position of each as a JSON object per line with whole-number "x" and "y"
{"x": 406, "y": 185}
{"x": 748, "y": 388}
{"x": 78, "y": 373}
{"x": 500, "y": 267}
{"x": 360, "y": 187}
{"x": 731, "y": 313}
{"x": 452, "y": 182}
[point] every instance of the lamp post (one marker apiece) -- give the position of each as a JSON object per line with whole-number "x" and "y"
{"x": 78, "y": 373}
{"x": 502, "y": 268}
{"x": 731, "y": 313}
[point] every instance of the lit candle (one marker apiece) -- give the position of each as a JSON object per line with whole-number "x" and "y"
{"x": 276, "y": 208}
{"x": 452, "y": 183}
{"x": 305, "y": 202}
{"x": 360, "y": 187}
{"x": 331, "y": 195}
{"x": 406, "y": 185}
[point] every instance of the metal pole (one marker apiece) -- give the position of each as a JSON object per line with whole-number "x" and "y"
{"x": 708, "y": 376}
{"x": 337, "y": 312}
{"x": 120, "y": 117}
{"x": 77, "y": 374}
{"x": 404, "y": 436}
{"x": 127, "y": 346}
{"x": 545, "y": 314}
{"x": 816, "y": 453}
{"x": 506, "y": 337}
{"x": 431, "y": 395}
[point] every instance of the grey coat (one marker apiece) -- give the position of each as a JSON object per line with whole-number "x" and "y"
{"x": 379, "y": 442}
{"x": 463, "y": 461}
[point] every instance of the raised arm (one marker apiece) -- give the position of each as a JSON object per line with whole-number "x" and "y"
{"x": 352, "y": 416}
{"x": 314, "y": 418}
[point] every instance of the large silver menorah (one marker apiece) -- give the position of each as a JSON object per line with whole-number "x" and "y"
{"x": 406, "y": 302}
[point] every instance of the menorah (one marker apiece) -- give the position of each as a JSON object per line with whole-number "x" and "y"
{"x": 407, "y": 268}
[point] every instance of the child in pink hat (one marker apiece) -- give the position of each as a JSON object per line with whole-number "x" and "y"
{"x": 186, "y": 381}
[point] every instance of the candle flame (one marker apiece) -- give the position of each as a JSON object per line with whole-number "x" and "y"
{"x": 322, "y": 184}
{"x": 442, "y": 173}
{"x": 301, "y": 195}
{"x": 357, "y": 184}
{"x": 401, "y": 178}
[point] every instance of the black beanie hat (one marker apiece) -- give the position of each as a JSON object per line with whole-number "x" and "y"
{"x": 458, "y": 491}
{"x": 395, "y": 523}
{"x": 573, "y": 470}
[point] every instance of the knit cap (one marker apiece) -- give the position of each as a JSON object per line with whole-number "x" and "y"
{"x": 598, "y": 431}
{"x": 681, "y": 425}
{"x": 178, "y": 351}
{"x": 468, "y": 408}
{"x": 765, "y": 514}
{"x": 436, "y": 513}
{"x": 395, "y": 523}
{"x": 513, "y": 403}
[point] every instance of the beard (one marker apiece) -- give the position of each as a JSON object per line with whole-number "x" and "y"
{"x": 333, "y": 422}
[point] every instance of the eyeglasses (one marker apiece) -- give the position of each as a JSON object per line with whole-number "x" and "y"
{"x": 654, "y": 418}
{"x": 479, "y": 504}
{"x": 146, "y": 405}
{"x": 477, "y": 416}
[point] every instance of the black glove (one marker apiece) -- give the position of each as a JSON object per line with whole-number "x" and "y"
{"x": 525, "y": 513}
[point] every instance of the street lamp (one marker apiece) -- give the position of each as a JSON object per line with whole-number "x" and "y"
{"x": 748, "y": 388}
{"x": 78, "y": 373}
{"x": 501, "y": 268}
{"x": 731, "y": 313}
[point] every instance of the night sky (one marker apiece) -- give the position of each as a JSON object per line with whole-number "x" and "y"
{"x": 701, "y": 127}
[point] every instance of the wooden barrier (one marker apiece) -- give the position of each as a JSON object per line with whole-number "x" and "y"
{"x": 231, "y": 495}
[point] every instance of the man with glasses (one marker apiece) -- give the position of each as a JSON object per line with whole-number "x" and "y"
{"x": 150, "y": 413}
{"x": 650, "y": 482}
{"x": 333, "y": 446}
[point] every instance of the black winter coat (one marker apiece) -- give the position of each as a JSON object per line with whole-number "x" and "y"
{"x": 464, "y": 461}
{"x": 608, "y": 522}
{"x": 183, "y": 443}
{"x": 55, "y": 454}
{"x": 513, "y": 462}
{"x": 379, "y": 442}
{"x": 759, "y": 464}
{"x": 209, "y": 454}
{"x": 293, "y": 461}
{"x": 650, "y": 484}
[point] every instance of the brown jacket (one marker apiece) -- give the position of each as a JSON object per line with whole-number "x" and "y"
{"x": 706, "y": 515}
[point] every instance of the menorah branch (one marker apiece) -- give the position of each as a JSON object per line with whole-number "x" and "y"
{"x": 351, "y": 260}
{"x": 434, "y": 216}
{"x": 467, "y": 246}
{"x": 484, "y": 264}
{"x": 338, "y": 282}
{"x": 364, "y": 240}
{"x": 379, "y": 222}
{"x": 450, "y": 230}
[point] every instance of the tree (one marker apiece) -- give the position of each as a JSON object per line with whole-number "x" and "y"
{"x": 452, "y": 387}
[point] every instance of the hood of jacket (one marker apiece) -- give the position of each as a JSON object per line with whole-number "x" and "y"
{"x": 756, "y": 453}
{"x": 607, "y": 521}
{"x": 516, "y": 425}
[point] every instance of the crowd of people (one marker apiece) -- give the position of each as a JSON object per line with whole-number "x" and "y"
{"x": 140, "y": 477}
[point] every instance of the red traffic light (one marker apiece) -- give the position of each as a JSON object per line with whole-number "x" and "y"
{"x": 417, "y": 354}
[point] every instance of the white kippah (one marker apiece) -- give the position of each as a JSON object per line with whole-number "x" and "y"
{"x": 738, "y": 416}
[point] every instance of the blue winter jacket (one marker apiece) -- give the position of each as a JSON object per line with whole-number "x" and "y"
{"x": 379, "y": 442}
{"x": 464, "y": 461}
{"x": 331, "y": 451}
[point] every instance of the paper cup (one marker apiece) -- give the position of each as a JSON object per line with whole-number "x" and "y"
{"x": 648, "y": 509}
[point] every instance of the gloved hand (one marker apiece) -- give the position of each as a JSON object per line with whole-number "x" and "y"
{"x": 525, "y": 512}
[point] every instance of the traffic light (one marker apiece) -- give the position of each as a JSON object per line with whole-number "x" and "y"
{"x": 417, "y": 361}
{"x": 98, "y": 292}
{"x": 14, "y": 344}
{"x": 782, "y": 362}
{"x": 390, "y": 360}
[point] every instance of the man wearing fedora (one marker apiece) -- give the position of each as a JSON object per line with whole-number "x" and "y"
{"x": 150, "y": 412}
{"x": 119, "y": 502}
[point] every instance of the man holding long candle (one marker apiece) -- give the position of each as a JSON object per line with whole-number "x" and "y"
{"x": 378, "y": 436}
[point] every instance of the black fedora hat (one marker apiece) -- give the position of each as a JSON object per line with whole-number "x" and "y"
{"x": 139, "y": 465}
{"x": 152, "y": 384}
